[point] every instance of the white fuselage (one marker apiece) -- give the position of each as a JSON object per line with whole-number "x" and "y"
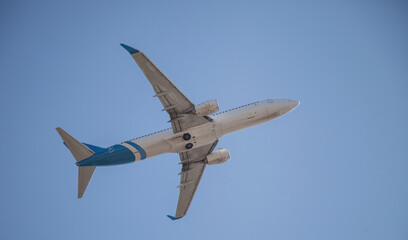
{"x": 226, "y": 122}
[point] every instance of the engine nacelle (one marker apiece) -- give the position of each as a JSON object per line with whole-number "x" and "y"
{"x": 220, "y": 156}
{"x": 206, "y": 108}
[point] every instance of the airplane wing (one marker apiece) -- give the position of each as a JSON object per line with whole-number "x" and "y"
{"x": 177, "y": 105}
{"x": 191, "y": 173}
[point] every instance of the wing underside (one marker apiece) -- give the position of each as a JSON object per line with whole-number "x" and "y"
{"x": 180, "y": 109}
{"x": 193, "y": 168}
{"x": 174, "y": 102}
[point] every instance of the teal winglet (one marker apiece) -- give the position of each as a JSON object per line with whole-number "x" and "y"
{"x": 173, "y": 218}
{"x": 129, "y": 49}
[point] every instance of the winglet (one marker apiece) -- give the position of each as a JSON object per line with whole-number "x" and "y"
{"x": 129, "y": 49}
{"x": 173, "y": 218}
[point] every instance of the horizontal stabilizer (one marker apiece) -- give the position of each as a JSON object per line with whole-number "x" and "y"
{"x": 84, "y": 176}
{"x": 79, "y": 150}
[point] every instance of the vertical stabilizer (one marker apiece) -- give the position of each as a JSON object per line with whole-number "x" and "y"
{"x": 80, "y": 152}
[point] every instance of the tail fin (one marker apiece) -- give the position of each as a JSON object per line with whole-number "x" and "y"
{"x": 80, "y": 152}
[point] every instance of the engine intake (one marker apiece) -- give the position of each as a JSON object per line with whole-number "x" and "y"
{"x": 220, "y": 156}
{"x": 206, "y": 108}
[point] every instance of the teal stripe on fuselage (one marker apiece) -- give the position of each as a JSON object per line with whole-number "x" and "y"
{"x": 138, "y": 148}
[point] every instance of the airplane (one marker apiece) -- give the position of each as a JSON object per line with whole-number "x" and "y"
{"x": 194, "y": 134}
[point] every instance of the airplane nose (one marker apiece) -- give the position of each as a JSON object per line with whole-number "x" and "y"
{"x": 279, "y": 107}
{"x": 289, "y": 106}
{"x": 293, "y": 104}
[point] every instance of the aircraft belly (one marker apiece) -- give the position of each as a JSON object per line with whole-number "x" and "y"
{"x": 200, "y": 136}
{"x": 203, "y": 135}
{"x": 149, "y": 146}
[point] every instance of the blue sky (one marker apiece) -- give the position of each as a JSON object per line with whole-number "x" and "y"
{"x": 334, "y": 168}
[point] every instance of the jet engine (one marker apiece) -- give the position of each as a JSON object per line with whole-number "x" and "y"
{"x": 206, "y": 108}
{"x": 220, "y": 156}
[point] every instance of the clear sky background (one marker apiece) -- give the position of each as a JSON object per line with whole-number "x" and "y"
{"x": 334, "y": 168}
